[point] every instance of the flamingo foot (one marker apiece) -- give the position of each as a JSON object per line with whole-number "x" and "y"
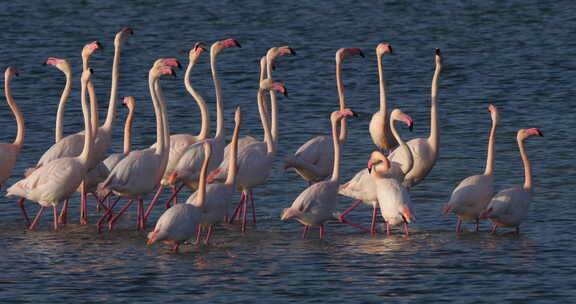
{"x": 321, "y": 231}
{"x": 106, "y": 215}
{"x": 459, "y": 225}
{"x": 305, "y": 233}
{"x": 494, "y": 227}
{"x": 115, "y": 218}
{"x": 236, "y": 214}
{"x": 199, "y": 231}
{"x": 343, "y": 220}
{"x": 176, "y": 246}
{"x": 153, "y": 202}
{"x": 209, "y": 234}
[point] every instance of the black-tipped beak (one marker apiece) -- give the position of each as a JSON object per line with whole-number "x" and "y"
{"x": 540, "y": 133}
{"x": 174, "y": 72}
{"x": 100, "y": 47}
{"x": 437, "y": 52}
{"x": 354, "y": 114}
{"x": 44, "y": 63}
{"x": 369, "y": 169}
{"x": 361, "y": 54}
{"x": 391, "y": 51}
{"x": 411, "y": 127}
{"x": 292, "y": 51}
{"x": 237, "y": 44}
{"x": 130, "y": 31}
{"x": 91, "y": 70}
{"x": 285, "y": 92}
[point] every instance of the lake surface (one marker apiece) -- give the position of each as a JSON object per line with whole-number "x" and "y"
{"x": 517, "y": 55}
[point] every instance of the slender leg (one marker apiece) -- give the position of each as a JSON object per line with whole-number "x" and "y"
{"x": 344, "y": 221}
{"x": 406, "y": 231}
{"x": 374, "y": 215}
{"x": 459, "y": 225}
{"x": 387, "y": 229}
{"x": 115, "y": 218}
{"x": 305, "y": 233}
{"x": 24, "y": 213}
{"x": 494, "y": 227}
{"x": 140, "y": 215}
{"x": 55, "y": 213}
{"x": 209, "y": 234}
{"x": 62, "y": 219}
{"x": 321, "y": 231}
{"x": 199, "y": 231}
{"x": 244, "y": 209}
{"x": 174, "y": 196}
{"x": 175, "y": 191}
{"x": 36, "y": 218}
{"x": 83, "y": 205}
{"x": 153, "y": 202}
{"x": 236, "y": 213}
{"x": 108, "y": 214}
{"x": 477, "y": 224}
{"x": 253, "y": 208}
{"x": 100, "y": 201}
{"x": 176, "y": 246}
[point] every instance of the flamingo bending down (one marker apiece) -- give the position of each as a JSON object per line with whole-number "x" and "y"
{"x": 218, "y": 195}
{"x": 393, "y": 198}
{"x": 509, "y": 207}
{"x": 317, "y": 203}
{"x": 9, "y": 152}
{"x": 140, "y": 171}
{"x": 186, "y": 168}
{"x": 473, "y": 193}
{"x": 379, "y": 126}
{"x": 314, "y": 159}
{"x": 58, "y": 179}
{"x": 180, "y": 223}
{"x": 364, "y": 187}
{"x": 254, "y": 159}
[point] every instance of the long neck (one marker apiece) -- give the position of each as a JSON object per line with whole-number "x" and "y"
{"x": 128, "y": 131}
{"x": 342, "y": 99}
{"x": 88, "y": 140}
{"x": 405, "y": 149}
{"x": 202, "y": 182}
{"x": 163, "y": 117}
{"x": 111, "y": 114}
{"x": 19, "y": 119}
{"x": 61, "y": 105}
{"x": 93, "y": 108}
{"x": 205, "y": 116}
{"x": 337, "y": 148}
{"x": 382, "y": 84}
{"x": 265, "y": 124}
{"x": 434, "y": 138}
{"x": 274, "y": 105}
{"x": 219, "y": 106}
{"x": 527, "y": 168}
{"x": 491, "y": 143}
{"x": 233, "y": 157}
{"x": 158, "y": 112}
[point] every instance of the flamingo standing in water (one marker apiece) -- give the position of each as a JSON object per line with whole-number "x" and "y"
{"x": 473, "y": 193}
{"x": 9, "y": 152}
{"x": 58, "y": 179}
{"x": 314, "y": 159}
{"x": 317, "y": 203}
{"x": 379, "y": 126}
{"x": 218, "y": 195}
{"x": 140, "y": 171}
{"x": 186, "y": 168}
{"x": 364, "y": 187}
{"x": 509, "y": 207}
{"x": 181, "y": 222}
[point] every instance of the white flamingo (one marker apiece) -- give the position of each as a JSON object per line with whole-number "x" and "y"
{"x": 393, "y": 198}
{"x": 314, "y": 159}
{"x": 58, "y": 179}
{"x": 9, "y": 151}
{"x": 379, "y": 126}
{"x": 318, "y": 202}
{"x": 509, "y": 207}
{"x": 218, "y": 195}
{"x": 140, "y": 171}
{"x": 473, "y": 193}
{"x": 180, "y": 222}
{"x": 254, "y": 159}
{"x": 363, "y": 186}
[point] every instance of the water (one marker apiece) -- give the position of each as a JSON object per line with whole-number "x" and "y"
{"x": 516, "y": 55}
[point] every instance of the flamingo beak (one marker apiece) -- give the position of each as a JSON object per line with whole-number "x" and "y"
{"x": 370, "y": 165}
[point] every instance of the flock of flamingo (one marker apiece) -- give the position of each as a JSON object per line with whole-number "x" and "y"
{"x": 214, "y": 170}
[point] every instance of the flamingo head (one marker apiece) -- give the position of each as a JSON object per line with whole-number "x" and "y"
{"x": 166, "y": 70}
{"x": 130, "y": 102}
{"x": 384, "y": 48}
{"x": 61, "y": 64}
{"x": 493, "y": 112}
{"x": 268, "y": 84}
{"x": 198, "y": 48}
{"x": 10, "y": 72}
{"x": 276, "y": 52}
{"x": 397, "y": 114}
{"x": 407, "y": 214}
{"x": 344, "y": 53}
{"x": 122, "y": 34}
{"x": 525, "y": 133}
{"x": 91, "y": 47}
{"x": 378, "y": 162}
{"x": 218, "y": 46}
{"x": 237, "y": 115}
{"x": 438, "y": 56}
{"x": 173, "y": 62}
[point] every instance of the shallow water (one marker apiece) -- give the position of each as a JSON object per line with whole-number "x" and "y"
{"x": 516, "y": 55}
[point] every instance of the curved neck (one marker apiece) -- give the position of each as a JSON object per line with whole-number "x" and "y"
{"x": 382, "y": 84}
{"x": 19, "y": 119}
{"x": 491, "y": 143}
{"x": 93, "y": 108}
{"x": 163, "y": 117}
{"x": 61, "y": 105}
{"x": 205, "y": 116}
{"x": 111, "y": 114}
{"x": 527, "y": 168}
{"x": 233, "y": 157}
{"x": 410, "y": 162}
{"x": 88, "y": 141}
{"x": 274, "y": 105}
{"x": 434, "y": 138}
{"x": 337, "y": 147}
{"x": 202, "y": 180}
{"x": 219, "y": 106}
{"x": 152, "y": 82}
{"x": 265, "y": 125}
{"x": 342, "y": 100}
{"x": 128, "y": 131}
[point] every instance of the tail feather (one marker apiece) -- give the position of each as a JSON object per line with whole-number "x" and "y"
{"x": 289, "y": 213}
{"x": 29, "y": 171}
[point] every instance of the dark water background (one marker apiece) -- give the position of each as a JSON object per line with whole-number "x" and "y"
{"x": 518, "y": 55}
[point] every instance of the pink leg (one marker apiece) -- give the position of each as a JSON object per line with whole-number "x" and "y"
{"x": 100, "y": 201}
{"x": 115, "y": 218}
{"x": 176, "y": 246}
{"x": 494, "y": 227}
{"x": 24, "y": 213}
{"x": 406, "y": 231}
{"x": 253, "y": 208}
{"x": 305, "y": 233}
{"x": 174, "y": 196}
{"x": 55, "y": 212}
{"x": 321, "y": 231}
{"x": 387, "y": 229}
{"x": 374, "y": 215}
{"x": 108, "y": 214}
{"x": 140, "y": 215}
{"x": 344, "y": 221}
{"x": 83, "y": 205}
{"x": 63, "y": 213}
{"x": 175, "y": 191}
{"x": 236, "y": 213}
{"x": 459, "y": 225}
{"x": 244, "y": 210}
{"x": 209, "y": 234}
{"x": 36, "y": 218}
{"x": 199, "y": 231}
{"x": 153, "y": 202}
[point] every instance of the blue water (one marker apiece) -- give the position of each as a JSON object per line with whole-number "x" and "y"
{"x": 517, "y": 55}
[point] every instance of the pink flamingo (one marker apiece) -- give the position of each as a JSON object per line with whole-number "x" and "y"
{"x": 9, "y": 152}
{"x": 379, "y": 126}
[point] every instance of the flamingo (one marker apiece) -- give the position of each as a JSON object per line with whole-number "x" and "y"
{"x": 140, "y": 171}
{"x": 473, "y": 193}
{"x": 509, "y": 207}
{"x": 379, "y": 127}
{"x": 254, "y": 159}
{"x": 318, "y": 202}
{"x": 180, "y": 223}
{"x": 185, "y": 168}
{"x": 64, "y": 67}
{"x": 218, "y": 195}
{"x": 364, "y": 187}
{"x": 393, "y": 198}
{"x": 313, "y": 160}
{"x": 58, "y": 179}
{"x": 9, "y": 152}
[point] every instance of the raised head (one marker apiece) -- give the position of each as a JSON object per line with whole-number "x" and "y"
{"x": 493, "y": 113}
{"x": 198, "y": 48}
{"x": 383, "y": 48}
{"x": 438, "y": 56}
{"x": 91, "y": 47}
{"x": 525, "y": 133}
{"x": 10, "y": 72}
{"x": 378, "y": 162}
{"x": 122, "y": 34}
{"x": 130, "y": 102}
{"x": 61, "y": 64}
{"x": 218, "y": 46}
{"x": 276, "y": 52}
{"x": 344, "y": 53}
{"x": 397, "y": 114}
